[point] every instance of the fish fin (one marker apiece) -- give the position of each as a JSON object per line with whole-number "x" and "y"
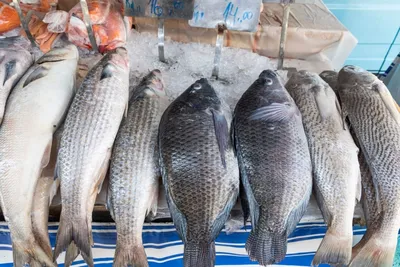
{"x": 53, "y": 190}
{"x": 71, "y": 254}
{"x": 275, "y": 112}
{"x": 244, "y": 203}
{"x": 359, "y": 186}
{"x": 221, "y": 132}
{"x": 322, "y": 101}
{"x": 266, "y": 247}
{"x": 126, "y": 108}
{"x": 387, "y": 100}
{"x": 37, "y": 74}
{"x": 344, "y": 116}
{"x": 74, "y": 231}
{"x": 130, "y": 256}
{"x": 31, "y": 250}
{"x": 46, "y": 155}
{"x": 10, "y": 71}
{"x": 103, "y": 171}
{"x": 153, "y": 202}
{"x": 199, "y": 254}
{"x": 335, "y": 249}
{"x": 109, "y": 205}
{"x": 297, "y": 213}
{"x": 357, "y": 248}
{"x": 107, "y": 72}
{"x": 321, "y": 204}
{"x": 376, "y": 252}
{"x": 339, "y": 110}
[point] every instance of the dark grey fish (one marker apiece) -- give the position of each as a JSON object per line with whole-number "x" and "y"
{"x": 274, "y": 163}
{"x": 330, "y": 77}
{"x": 134, "y": 170}
{"x": 199, "y": 169}
{"x": 334, "y": 157}
{"x": 376, "y": 123}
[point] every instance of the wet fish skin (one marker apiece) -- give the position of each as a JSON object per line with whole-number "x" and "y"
{"x": 330, "y": 77}
{"x": 89, "y": 131}
{"x": 134, "y": 169}
{"x": 334, "y": 156}
{"x": 199, "y": 169}
{"x": 34, "y": 111}
{"x": 13, "y": 64}
{"x": 376, "y": 123}
{"x": 274, "y": 163}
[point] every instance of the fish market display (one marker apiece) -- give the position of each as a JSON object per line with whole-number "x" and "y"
{"x": 34, "y": 110}
{"x": 376, "y": 123}
{"x": 330, "y": 77}
{"x": 274, "y": 163}
{"x": 89, "y": 132}
{"x": 13, "y": 64}
{"x": 199, "y": 169}
{"x": 134, "y": 171}
{"x": 334, "y": 157}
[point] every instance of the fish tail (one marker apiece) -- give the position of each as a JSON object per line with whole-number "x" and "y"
{"x": 71, "y": 254}
{"x": 199, "y": 254}
{"x": 126, "y": 255}
{"x": 27, "y": 253}
{"x": 357, "y": 248}
{"x": 266, "y": 247}
{"x": 334, "y": 249}
{"x": 376, "y": 252}
{"x": 76, "y": 231}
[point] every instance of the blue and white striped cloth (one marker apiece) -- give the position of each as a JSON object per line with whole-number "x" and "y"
{"x": 164, "y": 248}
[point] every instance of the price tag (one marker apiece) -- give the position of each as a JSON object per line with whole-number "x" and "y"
{"x": 237, "y": 15}
{"x": 162, "y": 9}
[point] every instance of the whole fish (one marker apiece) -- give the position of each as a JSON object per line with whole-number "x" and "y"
{"x": 89, "y": 132}
{"x": 199, "y": 169}
{"x": 134, "y": 171}
{"x": 330, "y": 77}
{"x": 274, "y": 163}
{"x": 376, "y": 123}
{"x": 34, "y": 110}
{"x": 334, "y": 157}
{"x": 13, "y": 64}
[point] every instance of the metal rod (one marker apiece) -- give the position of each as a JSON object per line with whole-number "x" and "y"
{"x": 24, "y": 23}
{"x": 218, "y": 49}
{"x": 161, "y": 35}
{"x": 282, "y": 43}
{"x": 88, "y": 23}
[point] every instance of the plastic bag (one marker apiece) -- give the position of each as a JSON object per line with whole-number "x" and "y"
{"x": 57, "y": 21}
{"x": 39, "y": 31}
{"x": 9, "y": 18}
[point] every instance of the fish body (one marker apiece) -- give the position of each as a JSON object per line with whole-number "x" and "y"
{"x": 274, "y": 163}
{"x": 13, "y": 64}
{"x": 376, "y": 124}
{"x": 89, "y": 131}
{"x": 199, "y": 169}
{"x": 334, "y": 156}
{"x": 34, "y": 110}
{"x": 134, "y": 170}
{"x": 330, "y": 77}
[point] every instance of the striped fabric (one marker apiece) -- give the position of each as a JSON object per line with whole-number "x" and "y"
{"x": 164, "y": 248}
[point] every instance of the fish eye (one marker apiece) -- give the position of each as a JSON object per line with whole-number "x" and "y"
{"x": 268, "y": 81}
{"x": 197, "y": 86}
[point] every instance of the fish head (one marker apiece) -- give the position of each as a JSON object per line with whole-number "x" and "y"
{"x": 154, "y": 84}
{"x": 355, "y": 75}
{"x": 115, "y": 64}
{"x": 13, "y": 63}
{"x": 119, "y": 57}
{"x": 270, "y": 87}
{"x": 201, "y": 96}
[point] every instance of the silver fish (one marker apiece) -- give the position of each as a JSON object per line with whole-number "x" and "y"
{"x": 89, "y": 132}
{"x": 274, "y": 163}
{"x": 334, "y": 156}
{"x": 34, "y": 110}
{"x": 376, "y": 123}
{"x": 134, "y": 171}
{"x": 13, "y": 64}
{"x": 199, "y": 169}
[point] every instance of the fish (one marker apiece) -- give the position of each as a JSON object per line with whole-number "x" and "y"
{"x": 334, "y": 157}
{"x": 134, "y": 169}
{"x": 89, "y": 131}
{"x": 199, "y": 169}
{"x": 330, "y": 77}
{"x": 373, "y": 116}
{"x": 13, "y": 65}
{"x": 34, "y": 111}
{"x": 275, "y": 165}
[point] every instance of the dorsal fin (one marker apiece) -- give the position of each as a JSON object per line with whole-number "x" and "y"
{"x": 37, "y": 74}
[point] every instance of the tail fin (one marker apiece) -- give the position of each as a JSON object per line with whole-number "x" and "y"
{"x": 29, "y": 252}
{"x": 77, "y": 231}
{"x": 266, "y": 247}
{"x": 130, "y": 256}
{"x": 334, "y": 249}
{"x": 375, "y": 252}
{"x": 199, "y": 255}
{"x": 71, "y": 255}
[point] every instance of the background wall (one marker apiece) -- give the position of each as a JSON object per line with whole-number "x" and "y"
{"x": 374, "y": 23}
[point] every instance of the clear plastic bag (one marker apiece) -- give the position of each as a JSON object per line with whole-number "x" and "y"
{"x": 57, "y": 21}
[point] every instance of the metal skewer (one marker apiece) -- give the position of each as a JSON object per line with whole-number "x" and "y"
{"x": 88, "y": 23}
{"x": 24, "y": 22}
{"x": 218, "y": 49}
{"x": 161, "y": 36}
{"x": 282, "y": 43}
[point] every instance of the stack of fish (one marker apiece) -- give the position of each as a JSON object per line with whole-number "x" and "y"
{"x": 339, "y": 138}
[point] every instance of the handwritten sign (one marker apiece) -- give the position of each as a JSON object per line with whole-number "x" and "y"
{"x": 162, "y": 9}
{"x": 238, "y": 15}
